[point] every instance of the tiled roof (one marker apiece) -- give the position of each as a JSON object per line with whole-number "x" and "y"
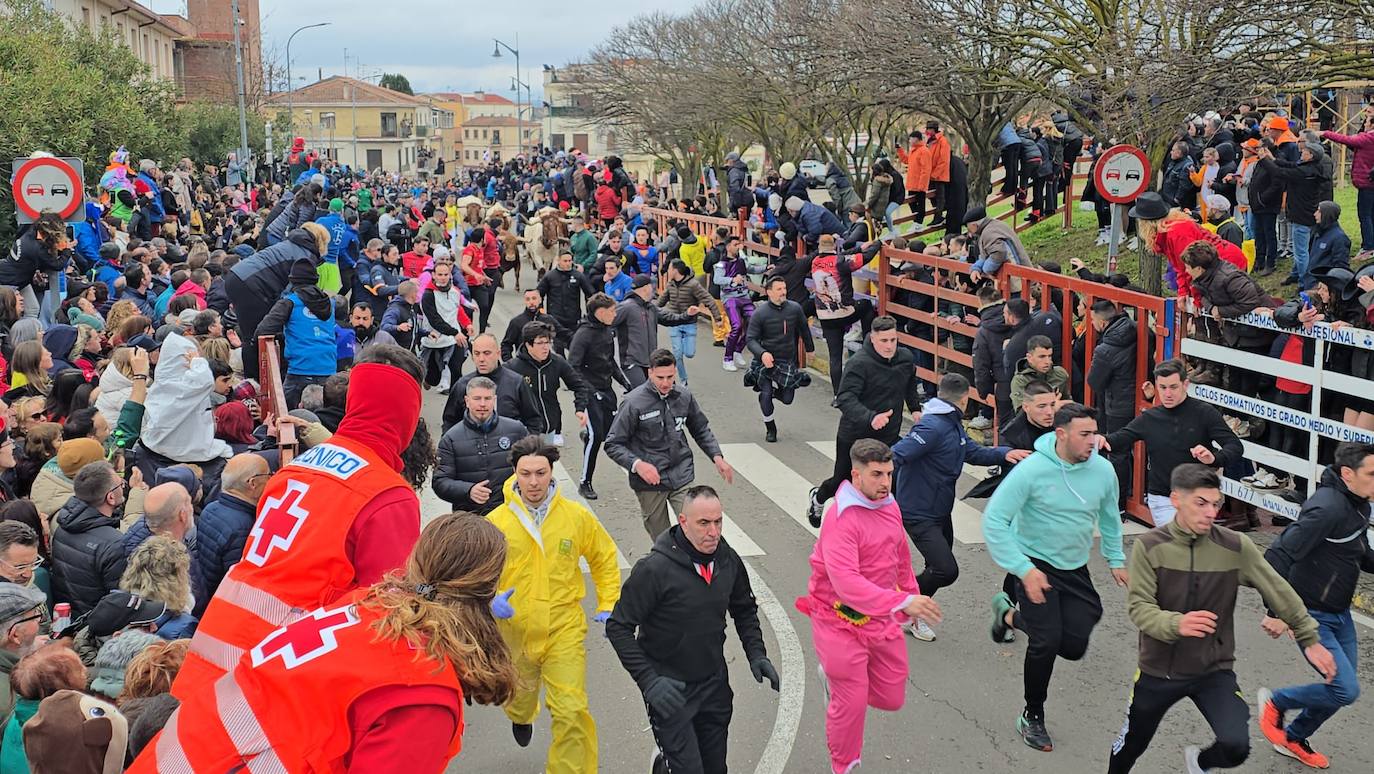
{"x": 335, "y": 90}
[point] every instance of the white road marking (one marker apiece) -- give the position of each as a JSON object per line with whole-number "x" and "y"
{"x": 1362, "y": 619}
{"x": 779, "y": 483}
{"x": 734, "y": 535}
{"x": 792, "y": 690}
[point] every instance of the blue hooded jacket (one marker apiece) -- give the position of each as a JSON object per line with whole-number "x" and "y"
{"x": 90, "y": 235}
{"x": 930, "y": 459}
{"x": 156, "y": 214}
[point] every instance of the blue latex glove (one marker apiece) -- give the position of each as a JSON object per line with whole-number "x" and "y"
{"x": 602, "y": 617}
{"x": 500, "y": 605}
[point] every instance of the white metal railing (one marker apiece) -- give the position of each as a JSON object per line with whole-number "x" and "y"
{"x": 1316, "y": 426}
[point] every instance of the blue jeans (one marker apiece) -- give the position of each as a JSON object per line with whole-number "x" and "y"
{"x": 683, "y": 339}
{"x": 1364, "y": 207}
{"x": 1302, "y": 244}
{"x": 1319, "y": 701}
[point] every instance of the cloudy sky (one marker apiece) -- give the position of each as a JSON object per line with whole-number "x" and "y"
{"x": 439, "y": 46}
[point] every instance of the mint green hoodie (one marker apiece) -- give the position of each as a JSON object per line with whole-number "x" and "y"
{"x": 1046, "y": 509}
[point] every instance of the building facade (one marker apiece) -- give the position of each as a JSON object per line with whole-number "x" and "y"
{"x": 366, "y": 126}
{"x": 568, "y": 123}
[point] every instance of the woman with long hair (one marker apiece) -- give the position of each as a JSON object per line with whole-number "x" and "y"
{"x": 403, "y": 655}
{"x": 60, "y": 398}
{"x": 11, "y": 310}
{"x": 1168, "y": 232}
{"x": 29, "y": 371}
{"x": 114, "y": 320}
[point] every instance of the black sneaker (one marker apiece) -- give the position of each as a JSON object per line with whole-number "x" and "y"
{"x": 720, "y": 343}
{"x": 585, "y": 489}
{"x": 658, "y": 764}
{"x": 835, "y": 402}
{"x": 770, "y": 432}
{"x": 1033, "y": 733}
{"x": 523, "y": 733}
{"x": 813, "y": 508}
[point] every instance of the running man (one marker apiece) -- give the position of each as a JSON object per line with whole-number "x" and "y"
{"x": 776, "y": 371}
{"x": 1322, "y": 554}
{"x": 1039, "y": 527}
{"x": 861, "y": 586}
{"x": 1184, "y": 578}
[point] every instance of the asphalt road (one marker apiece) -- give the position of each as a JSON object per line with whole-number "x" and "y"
{"x": 964, "y": 691}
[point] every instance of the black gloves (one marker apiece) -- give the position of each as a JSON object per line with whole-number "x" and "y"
{"x": 762, "y": 667}
{"x": 664, "y": 696}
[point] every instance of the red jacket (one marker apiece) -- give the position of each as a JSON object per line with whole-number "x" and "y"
{"x": 608, "y": 202}
{"x": 192, "y": 289}
{"x": 1175, "y": 238}
{"x": 939, "y": 159}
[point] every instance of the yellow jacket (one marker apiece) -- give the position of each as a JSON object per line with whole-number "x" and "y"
{"x": 694, "y": 255}
{"x": 548, "y": 577}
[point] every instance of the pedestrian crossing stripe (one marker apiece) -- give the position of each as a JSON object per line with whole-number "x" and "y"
{"x": 778, "y": 482}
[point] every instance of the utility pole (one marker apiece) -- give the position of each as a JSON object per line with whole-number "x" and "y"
{"x": 238, "y": 66}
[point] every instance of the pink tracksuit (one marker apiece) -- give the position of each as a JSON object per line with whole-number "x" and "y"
{"x": 861, "y": 559}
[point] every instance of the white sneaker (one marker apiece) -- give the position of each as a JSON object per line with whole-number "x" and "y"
{"x": 854, "y": 334}
{"x": 729, "y": 365}
{"x": 1190, "y": 764}
{"x": 557, "y": 439}
{"x": 1265, "y": 480}
{"x": 921, "y": 630}
{"x": 740, "y": 361}
{"x": 980, "y": 422}
{"x": 1103, "y": 236}
{"x": 1133, "y": 244}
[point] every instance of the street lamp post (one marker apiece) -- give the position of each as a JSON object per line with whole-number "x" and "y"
{"x": 290, "y": 85}
{"x": 519, "y": 124}
{"x": 243, "y": 116}
{"x": 515, "y": 84}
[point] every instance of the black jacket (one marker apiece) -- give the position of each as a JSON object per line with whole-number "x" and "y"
{"x": 671, "y": 623}
{"x": 1234, "y": 292}
{"x": 795, "y": 271}
{"x": 469, "y": 455}
{"x": 563, "y": 291}
{"x": 1170, "y": 434}
{"x": 87, "y": 556}
{"x": 1112, "y": 375}
{"x": 988, "y": 366}
{"x": 268, "y": 271}
{"x": 592, "y": 355}
{"x": 543, "y": 379}
{"x": 27, "y": 257}
{"x": 872, "y": 384}
{"x": 737, "y": 186}
{"x": 775, "y": 329}
{"x": 636, "y": 328}
{"x": 1304, "y": 184}
{"x": 1322, "y": 553}
{"x": 510, "y": 342}
{"x": 513, "y": 399}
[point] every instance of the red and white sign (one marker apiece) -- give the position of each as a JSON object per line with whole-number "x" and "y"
{"x": 278, "y": 523}
{"x": 48, "y": 184}
{"x": 306, "y": 639}
{"x": 1122, "y": 174}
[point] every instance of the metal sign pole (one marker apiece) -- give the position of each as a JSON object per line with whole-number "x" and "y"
{"x": 1114, "y": 239}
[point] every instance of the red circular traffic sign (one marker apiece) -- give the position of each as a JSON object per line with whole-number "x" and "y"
{"x": 47, "y": 183}
{"x": 1122, "y": 174}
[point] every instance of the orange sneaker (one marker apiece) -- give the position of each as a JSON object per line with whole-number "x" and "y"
{"x": 1303, "y": 753}
{"x": 1270, "y": 719}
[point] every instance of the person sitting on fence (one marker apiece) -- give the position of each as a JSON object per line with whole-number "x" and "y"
{"x": 997, "y": 244}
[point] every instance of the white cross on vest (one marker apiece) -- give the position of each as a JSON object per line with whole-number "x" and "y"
{"x": 278, "y": 524}
{"x": 306, "y": 638}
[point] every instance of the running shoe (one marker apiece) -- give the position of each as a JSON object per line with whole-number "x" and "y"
{"x": 813, "y": 508}
{"x": 585, "y": 489}
{"x": 558, "y": 439}
{"x": 1103, "y": 235}
{"x": 523, "y": 733}
{"x": 1190, "y": 764}
{"x": 1033, "y": 733}
{"x": 658, "y": 764}
{"x": 1302, "y": 752}
{"x": 729, "y": 365}
{"x": 1270, "y": 718}
{"x": 921, "y": 630}
{"x": 980, "y": 422}
{"x": 1001, "y": 605}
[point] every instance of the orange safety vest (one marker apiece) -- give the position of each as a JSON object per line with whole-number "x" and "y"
{"x": 284, "y": 707}
{"x": 295, "y": 558}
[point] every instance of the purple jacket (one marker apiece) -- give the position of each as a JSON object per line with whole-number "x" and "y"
{"x": 1363, "y": 163}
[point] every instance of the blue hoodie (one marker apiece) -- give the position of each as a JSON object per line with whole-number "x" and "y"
{"x": 930, "y": 458}
{"x": 90, "y": 235}
{"x": 1046, "y": 509}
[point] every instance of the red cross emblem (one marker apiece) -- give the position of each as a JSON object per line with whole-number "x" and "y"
{"x": 305, "y": 638}
{"x": 278, "y": 524}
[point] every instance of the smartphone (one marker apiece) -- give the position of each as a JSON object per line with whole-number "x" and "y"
{"x": 1306, "y": 299}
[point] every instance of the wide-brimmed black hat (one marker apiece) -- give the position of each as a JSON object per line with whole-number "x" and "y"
{"x": 1339, "y": 279}
{"x": 1149, "y": 206}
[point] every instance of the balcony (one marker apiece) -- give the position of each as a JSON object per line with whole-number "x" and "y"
{"x": 569, "y": 112}
{"x": 422, "y": 131}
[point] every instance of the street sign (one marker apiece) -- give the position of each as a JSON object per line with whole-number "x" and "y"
{"x": 48, "y": 184}
{"x": 1122, "y": 174}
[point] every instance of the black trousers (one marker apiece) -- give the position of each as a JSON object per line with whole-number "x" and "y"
{"x": 694, "y": 740}
{"x": 251, "y": 307}
{"x": 844, "y": 442}
{"x": 768, "y": 392}
{"x": 935, "y": 541}
{"x": 636, "y": 374}
{"x": 1123, "y": 460}
{"x": 1057, "y": 628}
{"x": 834, "y": 330}
{"x": 563, "y": 337}
{"x": 938, "y": 200}
{"x": 600, "y": 412}
{"x": 917, "y": 199}
{"x": 437, "y": 359}
{"x": 1011, "y": 163}
{"x": 1216, "y": 696}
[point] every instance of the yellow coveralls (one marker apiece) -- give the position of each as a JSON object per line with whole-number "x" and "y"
{"x": 547, "y": 636}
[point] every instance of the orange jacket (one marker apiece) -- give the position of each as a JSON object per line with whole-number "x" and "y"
{"x": 939, "y": 159}
{"x": 296, "y": 557}
{"x": 285, "y": 706}
{"x": 917, "y": 161}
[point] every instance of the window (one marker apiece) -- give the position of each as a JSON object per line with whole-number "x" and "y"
{"x": 484, "y": 134}
{"x": 556, "y": 141}
{"x": 495, "y": 136}
{"x": 388, "y": 124}
{"x": 327, "y": 121}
